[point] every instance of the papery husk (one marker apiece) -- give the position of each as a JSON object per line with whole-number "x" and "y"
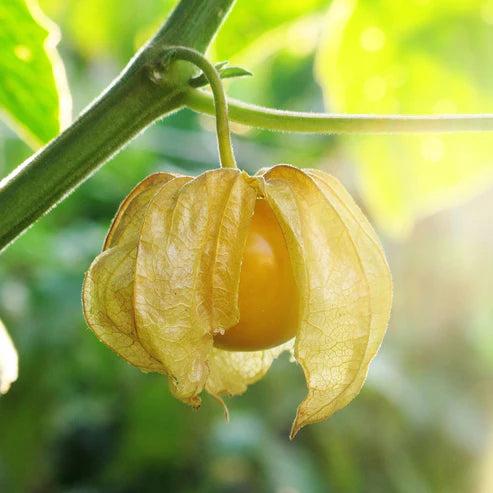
{"x": 187, "y": 273}
{"x": 344, "y": 284}
{"x": 107, "y": 293}
{"x": 128, "y": 220}
{"x": 213, "y": 214}
{"x": 168, "y": 281}
{"x": 230, "y": 372}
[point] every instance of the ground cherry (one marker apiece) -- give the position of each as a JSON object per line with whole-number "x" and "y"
{"x": 172, "y": 274}
{"x": 268, "y": 298}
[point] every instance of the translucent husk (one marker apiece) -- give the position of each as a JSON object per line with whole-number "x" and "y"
{"x": 168, "y": 281}
{"x": 344, "y": 284}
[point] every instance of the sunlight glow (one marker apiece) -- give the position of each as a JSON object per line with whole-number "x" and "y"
{"x": 445, "y": 107}
{"x": 23, "y": 53}
{"x": 487, "y": 12}
{"x": 374, "y": 88}
{"x": 432, "y": 149}
{"x": 372, "y": 39}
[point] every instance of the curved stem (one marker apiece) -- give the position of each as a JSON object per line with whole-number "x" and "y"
{"x": 219, "y": 102}
{"x": 323, "y": 123}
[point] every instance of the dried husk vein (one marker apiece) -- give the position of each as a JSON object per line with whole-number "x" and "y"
{"x": 232, "y": 234}
{"x": 232, "y": 371}
{"x": 335, "y": 311}
{"x": 375, "y": 266}
{"x": 107, "y": 301}
{"x": 175, "y": 315}
{"x": 128, "y": 220}
{"x": 157, "y": 284}
{"x": 370, "y": 252}
{"x": 347, "y": 202}
{"x": 107, "y": 293}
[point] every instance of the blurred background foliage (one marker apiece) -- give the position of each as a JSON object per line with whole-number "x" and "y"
{"x": 79, "y": 419}
{"x": 418, "y": 57}
{"x": 33, "y": 88}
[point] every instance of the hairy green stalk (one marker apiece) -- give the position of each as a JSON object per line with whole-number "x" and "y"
{"x": 323, "y": 123}
{"x": 220, "y": 104}
{"x": 132, "y": 102}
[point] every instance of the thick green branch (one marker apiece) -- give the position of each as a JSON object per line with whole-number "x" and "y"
{"x": 132, "y": 102}
{"x": 323, "y": 123}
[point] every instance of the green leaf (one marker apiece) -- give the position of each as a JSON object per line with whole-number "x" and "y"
{"x": 34, "y": 97}
{"x": 224, "y": 73}
{"x": 8, "y": 360}
{"x": 201, "y": 80}
{"x": 234, "y": 71}
{"x": 386, "y": 57}
{"x": 108, "y": 29}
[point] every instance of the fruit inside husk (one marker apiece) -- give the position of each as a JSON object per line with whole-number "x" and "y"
{"x": 268, "y": 297}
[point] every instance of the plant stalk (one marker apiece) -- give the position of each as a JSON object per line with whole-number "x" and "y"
{"x": 226, "y": 154}
{"x": 132, "y": 102}
{"x": 324, "y": 123}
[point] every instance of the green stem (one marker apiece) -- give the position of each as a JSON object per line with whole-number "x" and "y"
{"x": 220, "y": 103}
{"x": 323, "y": 123}
{"x": 193, "y": 23}
{"x": 131, "y": 103}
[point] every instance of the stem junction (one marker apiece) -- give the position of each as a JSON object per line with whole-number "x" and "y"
{"x": 220, "y": 104}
